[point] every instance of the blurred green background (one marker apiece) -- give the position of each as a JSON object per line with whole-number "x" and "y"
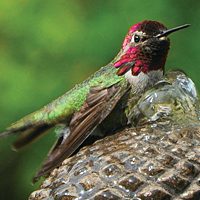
{"x": 48, "y": 46}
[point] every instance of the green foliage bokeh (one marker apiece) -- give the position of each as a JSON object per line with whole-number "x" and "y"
{"x": 48, "y": 46}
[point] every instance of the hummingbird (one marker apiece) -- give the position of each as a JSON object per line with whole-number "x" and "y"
{"x": 138, "y": 66}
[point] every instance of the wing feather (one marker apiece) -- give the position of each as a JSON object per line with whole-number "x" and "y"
{"x": 99, "y": 103}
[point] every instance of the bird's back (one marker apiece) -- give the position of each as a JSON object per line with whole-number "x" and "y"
{"x": 61, "y": 109}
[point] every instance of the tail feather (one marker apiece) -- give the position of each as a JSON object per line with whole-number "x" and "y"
{"x": 6, "y": 133}
{"x": 11, "y": 131}
{"x": 27, "y": 132}
{"x": 29, "y": 135}
{"x": 17, "y": 127}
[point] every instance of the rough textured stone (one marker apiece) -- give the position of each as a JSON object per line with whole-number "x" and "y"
{"x": 146, "y": 165}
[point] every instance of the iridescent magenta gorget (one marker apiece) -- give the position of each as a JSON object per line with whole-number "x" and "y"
{"x": 142, "y": 51}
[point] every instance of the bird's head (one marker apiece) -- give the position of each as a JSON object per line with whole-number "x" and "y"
{"x": 145, "y": 48}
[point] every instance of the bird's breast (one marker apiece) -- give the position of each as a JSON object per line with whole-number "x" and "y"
{"x": 143, "y": 80}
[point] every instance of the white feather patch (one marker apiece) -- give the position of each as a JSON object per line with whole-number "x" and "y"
{"x": 142, "y": 80}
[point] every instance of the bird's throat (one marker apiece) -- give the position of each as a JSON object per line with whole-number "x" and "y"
{"x": 130, "y": 59}
{"x": 143, "y": 81}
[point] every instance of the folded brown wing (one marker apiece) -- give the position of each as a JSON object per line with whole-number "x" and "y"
{"x": 99, "y": 103}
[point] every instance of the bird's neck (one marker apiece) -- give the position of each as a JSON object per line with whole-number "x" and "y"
{"x": 143, "y": 81}
{"x": 142, "y": 70}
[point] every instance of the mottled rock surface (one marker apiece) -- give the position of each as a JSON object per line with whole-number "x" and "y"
{"x": 143, "y": 164}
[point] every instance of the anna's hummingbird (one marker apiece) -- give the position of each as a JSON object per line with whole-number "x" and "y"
{"x": 138, "y": 65}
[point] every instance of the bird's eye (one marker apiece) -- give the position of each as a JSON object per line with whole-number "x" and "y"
{"x": 136, "y": 38}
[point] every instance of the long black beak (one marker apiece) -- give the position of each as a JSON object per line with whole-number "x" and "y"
{"x": 169, "y": 31}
